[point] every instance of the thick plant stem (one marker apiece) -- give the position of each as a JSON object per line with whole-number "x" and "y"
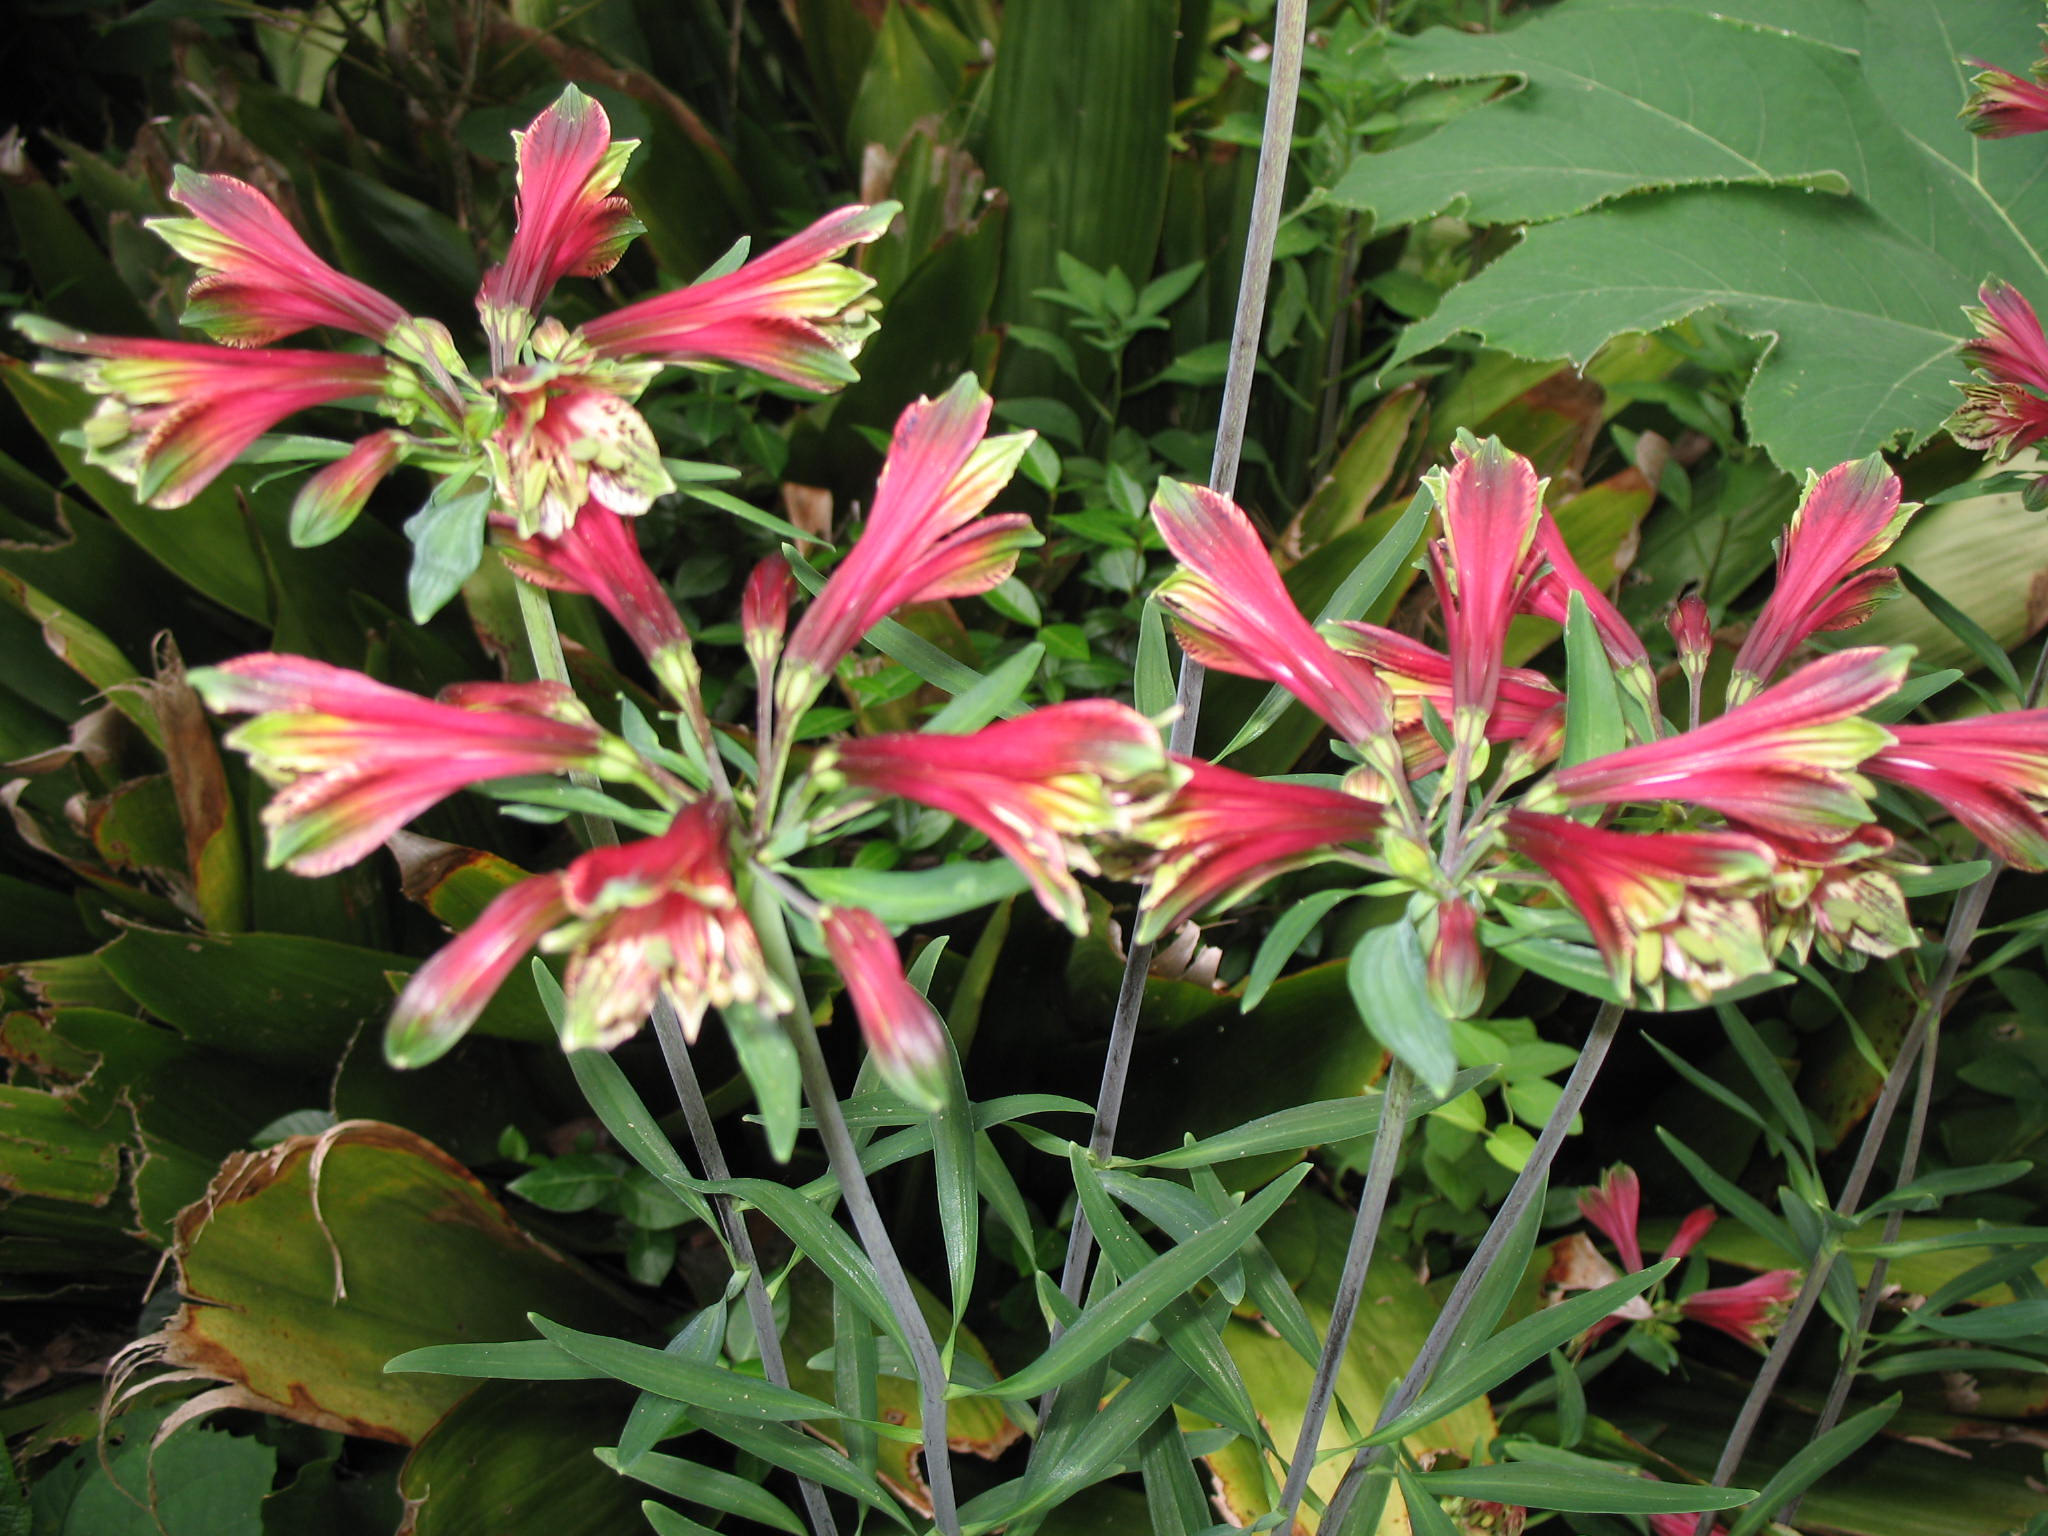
{"x": 1289, "y": 34}
{"x": 1534, "y": 1172}
{"x": 1365, "y": 1231}
{"x": 844, "y": 1159}
{"x": 545, "y": 641}
{"x": 1964, "y": 919}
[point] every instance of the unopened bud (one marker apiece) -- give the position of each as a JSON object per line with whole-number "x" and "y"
{"x": 1457, "y": 965}
{"x": 1694, "y": 634}
{"x": 764, "y": 612}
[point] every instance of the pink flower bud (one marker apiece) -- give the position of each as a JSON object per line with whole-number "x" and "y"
{"x": 1693, "y": 633}
{"x": 903, "y": 1031}
{"x": 1457, "y": 964}
{"x": 764, "y": 613}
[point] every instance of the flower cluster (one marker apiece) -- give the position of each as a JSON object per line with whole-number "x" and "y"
{"x": 549, "y": 425}
{"x": 1749, "y": 1312}
{"x": 1696, "y": 855}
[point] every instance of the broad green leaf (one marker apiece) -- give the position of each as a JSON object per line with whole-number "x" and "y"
{"x": 1579, "y": 1489}
{"x": 207, "y": 544}
{"x": 1152, "y": 681}
{"x": 1695, "y": 157}
{"x": 300, "y": 1303}
{"x": 1811, "y": 1464}
{"x": 515, "y": 1459}
{"x": 1613, "y": 99}
{"x": 1389, "y": 982}
{"x": 447, "y": 536}
{"x": 199, "y": 1482}
{"x": 1109, "y": 1322}
{"x": 908, "y": 897}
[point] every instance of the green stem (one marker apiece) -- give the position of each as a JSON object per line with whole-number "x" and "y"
{"x": 1519, "y": 1197}
{"x": 844, "y": 1158}
{"x": 544, "y": 639}
{"x": 1372, "y": 1205}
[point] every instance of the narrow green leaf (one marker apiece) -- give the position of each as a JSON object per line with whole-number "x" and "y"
{"x": 1593, "y": 724}
{"x": 704, "y": 1485}
{"x": 855, "y": 1371}
{"x": 908, "y": 897}
{"x": 1578, "y": 1490}
{"x": 1503, "y": 1278}
{"x": 1084, "y": 1458}
{"x": 1388, "y": 978}
{"x": 1745, "y": 1209}
{"x": 954, "y": 1164}
{"x": 1152, "y": 687}
{"x": 1932, "y": 1189}
{"x": 515, "y": 1360}
{"x": 1486, "y": 1366}
{"x": 1770, "y": 1076}
{"x": 2007, "y": 1323}
{"x": 1426, "y": 1517}
{"x": 1108, "y": 1323}
{"x": 796, "y": 1452}
{"x": 696, "y": 1385}
{"x": 1810, "y": 1463}
{"x": 1306, "y": 1125}
{"x": 1282, "y": 940}
{"x": 903, "y": 645}
{"x": 1001, "y": 688}
{"x": 745, "y": 511}
{"x": 664, "y": 1521}
{"x": 1964, "y": 628}
{"x": 1179, "y": 1321}
{"x": 1173, "y": 1492}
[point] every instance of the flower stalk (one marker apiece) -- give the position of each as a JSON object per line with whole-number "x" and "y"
{"x": 1528, "y": 1186}
{"x": 1290, "y": 28}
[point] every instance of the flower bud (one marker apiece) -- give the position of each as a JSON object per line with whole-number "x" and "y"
{"x": 764, "y": 613}
{"x": 1457, "y": 966}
